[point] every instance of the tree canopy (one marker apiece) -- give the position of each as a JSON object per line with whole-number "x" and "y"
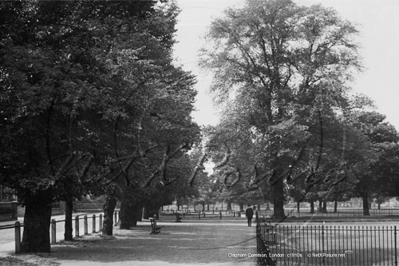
{"x": 280, "y": 76}
{"x": 92, "y": 103}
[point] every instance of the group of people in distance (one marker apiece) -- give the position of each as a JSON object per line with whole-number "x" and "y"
{"x": 249, "y": 213}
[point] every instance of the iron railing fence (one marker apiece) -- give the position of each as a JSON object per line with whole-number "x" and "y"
{"x": 330, "y": 213}
{"x": 331, "y": 245}
{"x": 262, "y": 247}
{"x": 224, "y": 212}
{"x": 202, "y": 215}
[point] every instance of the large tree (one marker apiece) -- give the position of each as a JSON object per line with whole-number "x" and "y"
{"x": 84, "y": 89}
{"x": 378, "y": 176}
{"x": 284, "y": 66}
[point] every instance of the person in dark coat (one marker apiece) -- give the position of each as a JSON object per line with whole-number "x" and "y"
{"x": 249, "y": 213}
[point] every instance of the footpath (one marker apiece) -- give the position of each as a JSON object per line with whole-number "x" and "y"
{"x": 191, "y": 243}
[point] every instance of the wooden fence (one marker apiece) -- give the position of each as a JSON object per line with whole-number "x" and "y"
{"x": 94, "y": 220}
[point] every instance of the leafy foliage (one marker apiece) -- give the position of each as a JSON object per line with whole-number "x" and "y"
{"x": 280, "y": 75}
{"x": 91, "y": 100}
{"x": 378, "y": 175}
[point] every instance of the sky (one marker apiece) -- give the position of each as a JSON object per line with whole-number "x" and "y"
{"x": 377, "y": 21}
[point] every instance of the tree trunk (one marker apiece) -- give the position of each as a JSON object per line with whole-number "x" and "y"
{"x": 379, "y": 206}
{"x": 324, "y": 207}
{"x": 109, "y": 207}
{"x": 36, "y": 235}
{"x": 366, "y": 210}
{"x": 68, "y": 235}
{"x": 149, "y": 211}
{"x": 207, "y": 207}
{"x": 311, "y": 206}
{"x": 125, "y": 215}
{"x": 278, "y": 190}
{"x": 335, "y": 206}
{"x": 241, "y": 206}
{"x": 137, "y": 213}
{"x": 267, "y": 206}
{"x": 229, "y": 206}
{"x": 298, "y": 206}
{"x": 146, "y": 212}
{"x": 140, "y": 214}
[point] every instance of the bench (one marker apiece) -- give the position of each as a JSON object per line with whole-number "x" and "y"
{"x": 178, "y": 217}
{"x": 155, "y": 229}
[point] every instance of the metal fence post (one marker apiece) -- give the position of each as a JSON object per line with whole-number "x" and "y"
{"x": 53, "y": 231}
{"x": 94, "y": 223}
{"x": 100, "y": 226}
{"x": 396, "y": 248}
{"x": 77, "y": 226}
{"x": 322, "y": 240}
{"x": 85, "y": 224}
{"x": 17, "y": 237}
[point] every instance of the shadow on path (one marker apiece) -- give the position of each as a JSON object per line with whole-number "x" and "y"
{"x": 177, "y": 244}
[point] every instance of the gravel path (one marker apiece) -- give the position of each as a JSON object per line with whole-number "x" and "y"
{"x": 187, "y": 243}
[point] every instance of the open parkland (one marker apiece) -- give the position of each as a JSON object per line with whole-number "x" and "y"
{"x": 227, "y": 241}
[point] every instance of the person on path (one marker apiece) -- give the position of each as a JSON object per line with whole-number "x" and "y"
{"x": 249, "y": 212}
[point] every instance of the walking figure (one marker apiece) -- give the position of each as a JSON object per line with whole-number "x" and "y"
{"x": 249, "y": 212}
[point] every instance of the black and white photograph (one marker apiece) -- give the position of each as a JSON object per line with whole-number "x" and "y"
{"x": 199, "y": 132}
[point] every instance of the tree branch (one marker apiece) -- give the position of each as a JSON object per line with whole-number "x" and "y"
{"x": 162, "y": 167}
{"x": 197, "y": 168}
